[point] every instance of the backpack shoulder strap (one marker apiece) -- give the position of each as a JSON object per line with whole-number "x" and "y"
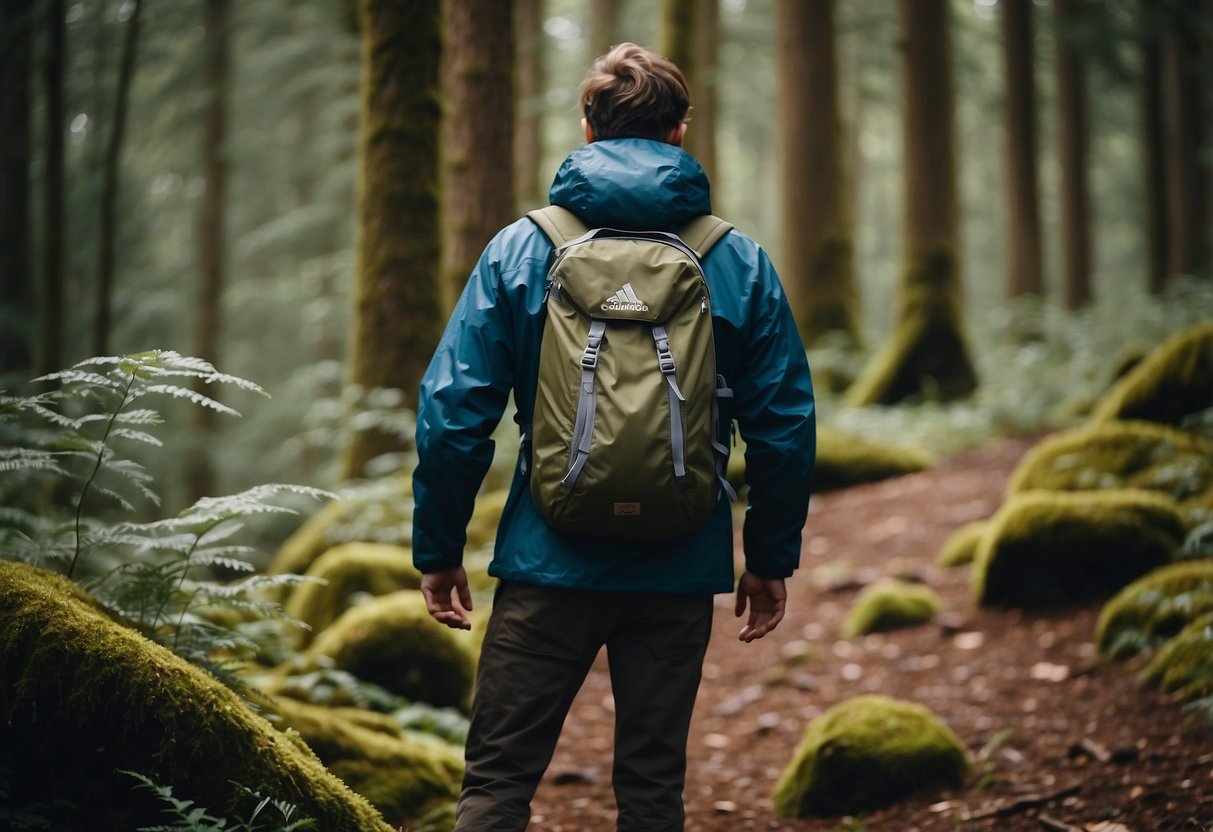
{"x": 559, "y": 224}
{"x": 704, "y": 232}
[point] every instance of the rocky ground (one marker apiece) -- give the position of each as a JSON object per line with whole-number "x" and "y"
{"x": 1059, "y": 742}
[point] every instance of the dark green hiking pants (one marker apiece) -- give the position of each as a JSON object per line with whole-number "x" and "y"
{"x": 539, "y": 646}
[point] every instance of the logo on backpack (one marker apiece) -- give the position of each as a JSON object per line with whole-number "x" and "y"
{"x": 624, "y": 300}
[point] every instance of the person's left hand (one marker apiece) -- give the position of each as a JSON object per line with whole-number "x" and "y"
{"x": 767, "y": 598}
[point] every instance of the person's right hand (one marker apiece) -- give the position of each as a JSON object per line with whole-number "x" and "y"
{"x": 437, "y": 587}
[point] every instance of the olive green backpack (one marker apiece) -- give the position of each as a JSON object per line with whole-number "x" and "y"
{"x": 625, "y": 441}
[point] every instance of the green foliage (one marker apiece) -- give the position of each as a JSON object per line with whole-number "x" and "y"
{"x": 889, "y": 605}
{"x": 188, "y": 817}
{"x": 159, "y": 576}
{"x": 1153, "y": 609}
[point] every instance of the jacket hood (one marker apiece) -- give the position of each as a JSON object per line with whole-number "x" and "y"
{"x": 632, "y": 184}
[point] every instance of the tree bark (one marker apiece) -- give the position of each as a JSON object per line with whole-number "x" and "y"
{"x": 529, "y": 101}
{"x": 1072, "y": 134}
{"x": 927, "y": 355}
{"x": 818, "y": 265}
{"x": 701, "y": 136}
{"x": 1024, "y": 258}
{"x": 398, "y": 312}
{"x": 199, "y": 473}
{"x": 604, "y": 24}
{"x": 478, "y": 133}
{"x": 676, "y": 35}
{"x": 110, "y": 182}
{"x": 17, "y": 304}
{"x": 1187, "y": 180}
{"x": 50, "y": 351}
{"x": 1153, "y": 142}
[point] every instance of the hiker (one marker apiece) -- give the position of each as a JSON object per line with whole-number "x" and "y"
{"x": 564, "y": 594}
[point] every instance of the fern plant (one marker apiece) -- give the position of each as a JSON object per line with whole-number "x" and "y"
{"x": 185, "y": 816}
{"x": 158, "y": 576}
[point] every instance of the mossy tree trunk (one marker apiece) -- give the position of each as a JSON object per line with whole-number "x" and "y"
{"x": 1073, "y": 141}
{"x": 529, "y": 100}
{"x": 109, "y": 185}
{"x": 398, "y": 313}
{"x": 927, "y": 354}
{"x": 818, "y": 265}
{"x": 1183, "y": 103}
{"x": 1024, "y": 270}
{"x": 1153, "y": 142}
{"x": 478, "y": 132}
{"x": 16, "y": 297}
{"x": 50, "y": 340}
{"x": 199, "y": 474}
{"x": 604, "y": 24}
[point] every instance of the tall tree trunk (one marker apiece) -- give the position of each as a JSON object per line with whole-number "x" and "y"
{"x": 1153, "y": 142}
{"x": 818, "y": 265}
{"x": 604, "y": 23}
{"x": 705, "y": 44}
{"x": 1187, "y": 181}
{"x": 398, "y": 312}
{"x": 676, "y": 35}
{"x": 50, "y": 352}
{"x": 110, "y": 182}
{"x": 216, "y": 45}
{"x": 927, "y": 354}
{"x": 1072, "y": 134}
{"x": 529, "y": 100}
{"x": 1023, "y": 241}
{"x": 17, "y": 303}
{"x": 478, "y": 132}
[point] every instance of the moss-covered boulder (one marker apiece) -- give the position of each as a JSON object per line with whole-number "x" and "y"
{"x": 347, "y": 574}
{"x": 382, "y": 515}
{"x": 1048, "y": 547}
{"x": 890, "y": 605}
{"x": 1174, "y": 381}
{"x": 393, "y": 642}
{"x": 1185, "y": 663}
{"x": 844, "y": 460}
{"x": 1124, "y": 454}
{"x": 961, "y": 548}
{"x": 865, "y": 753}
{"x": 82, "y": 696}
{"x": 404, "y": 775}
{"x": 1154, "y": 608}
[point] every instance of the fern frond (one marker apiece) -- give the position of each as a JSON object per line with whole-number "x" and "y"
{"x": 137, "y": 436}
{"x": 189, "y": 395}
{"x": 115, "y": 496}
{"x": 27, "y": 459}
{"x": 139, "y": 416}
{"x": 74, "y": 376}
{"x": 234, "y": 564}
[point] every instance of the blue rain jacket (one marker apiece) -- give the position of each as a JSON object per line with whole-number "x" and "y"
{"x": 491, "y": 346}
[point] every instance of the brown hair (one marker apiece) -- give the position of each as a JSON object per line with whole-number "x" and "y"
{"x": 631, "y": 92}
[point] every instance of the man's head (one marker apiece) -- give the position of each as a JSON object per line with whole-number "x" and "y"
{"x": 631, "y": 92}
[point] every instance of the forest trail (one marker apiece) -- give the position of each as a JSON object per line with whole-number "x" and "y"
{"x": 1025, "y": 684}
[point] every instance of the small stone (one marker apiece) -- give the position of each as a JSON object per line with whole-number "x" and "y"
{"x": 971, "y": 640}
{"x": 1049, "y": 672}
{"x": 724, "y": 807}
{"x": 716, "y": 741}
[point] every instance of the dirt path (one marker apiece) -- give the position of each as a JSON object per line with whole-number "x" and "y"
{"x": 1024, "y": 683}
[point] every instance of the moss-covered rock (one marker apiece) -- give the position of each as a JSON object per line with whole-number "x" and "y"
{"x": 1047, "y": 547}
{"x": 844, "y": 460}
{"x": 346, "y": 574}
{"x": 1185, "y": 663}
{"x": 1155, "y": 607}
{"x": 82, "y": 696}
{"x": 890, "y": 605}
{"x": 393, "y": 642}
{"x": 1174, "y": 381}
{"x": 382, "y": 515}
{"x": 961, "y": 548}
{"x": 403, "y": 775}
{"x": 865, "y": 753}
{"x": 1124, "y": 454}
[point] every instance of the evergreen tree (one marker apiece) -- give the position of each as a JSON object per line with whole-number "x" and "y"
{"x": 1073, "y": 150}
{"x": 17, "y": 306}
{"x": 529, "y": 102}
{"x": 54, "y": 217}
{"x": 1185, "y": 113}
{"x": 1023, "y": 239}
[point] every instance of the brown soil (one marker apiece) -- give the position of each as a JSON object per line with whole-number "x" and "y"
{"x": 1023, "y": 685}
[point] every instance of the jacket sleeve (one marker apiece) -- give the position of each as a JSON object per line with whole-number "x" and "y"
{"x": 777, "y": 417}
{"x": 462, "y": 398}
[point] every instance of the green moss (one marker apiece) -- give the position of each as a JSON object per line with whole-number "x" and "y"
{"x": 1047, "y": 547}
{"x": 393, "y": 642}
{"x": 1174, "y": 381}
{"x": 844, "y": 460}
{"x": 349, "y": 571}
{"x": 1129, "y": 454}
{"x": 890, "y": 605}
{"x": 1185, "y": 663}
{"x": 961, "y": 548}
{"x": 82, "y": 696}
{"x": 402, "y": 777}
{"x": 865, "y": 753}
{"x": 482, "y": 528}
{"x": 1155, "y": 607}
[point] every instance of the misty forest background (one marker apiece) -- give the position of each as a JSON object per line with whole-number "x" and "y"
{"x": 188, "y": 176}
